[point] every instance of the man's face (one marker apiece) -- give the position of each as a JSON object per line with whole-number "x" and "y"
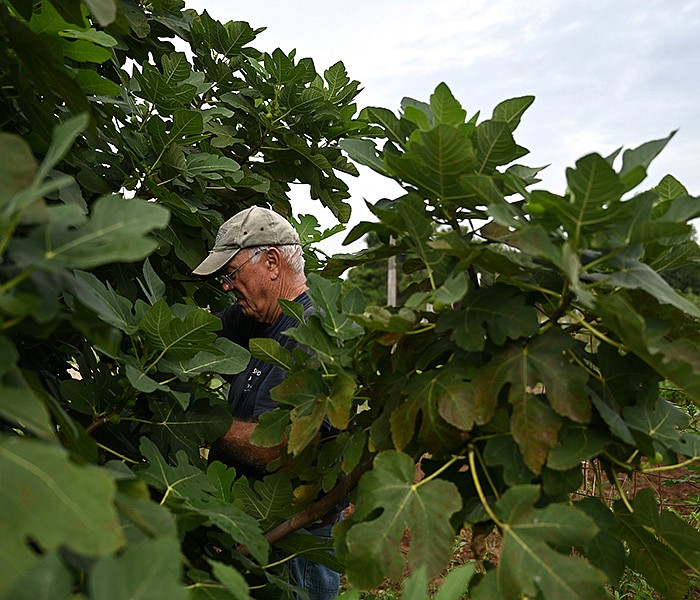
{"x": 252, "y": 285}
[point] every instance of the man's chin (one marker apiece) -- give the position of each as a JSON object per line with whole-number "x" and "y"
{"x": 245, "y": 309}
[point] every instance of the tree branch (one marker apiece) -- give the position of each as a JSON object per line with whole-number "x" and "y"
{"x": 316, "y": 511}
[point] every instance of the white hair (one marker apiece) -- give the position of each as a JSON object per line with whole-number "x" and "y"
{"x": 292, "y": 253}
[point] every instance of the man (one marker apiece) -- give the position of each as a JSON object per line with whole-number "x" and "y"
{"x": 258, "y": 256}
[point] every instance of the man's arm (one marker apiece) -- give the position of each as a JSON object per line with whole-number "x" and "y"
{"x": 235, "y": 447}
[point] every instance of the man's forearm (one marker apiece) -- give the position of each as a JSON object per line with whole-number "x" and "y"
{"x": 235, "y": 447}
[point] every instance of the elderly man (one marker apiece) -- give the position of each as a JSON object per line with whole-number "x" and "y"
{"x": 258, "y": 257}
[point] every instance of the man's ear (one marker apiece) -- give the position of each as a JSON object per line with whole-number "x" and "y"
{"x": 273, "y": 261}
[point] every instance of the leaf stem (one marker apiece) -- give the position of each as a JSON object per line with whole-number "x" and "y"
{"x": 600, "y": 259}
{"x": 422, "y": 330}
{"x": 623, "y": 496}
{"x": 624, "y": 465}
{"x": 585, "y": 367}
{"x": 125, "y": 458}
{"x": 685, "y": 463}
{"x": 443, "y": 468}
{"x": 480, "y": 492}
{"x": 11, "y": 323}
{"x": 198, "y": 585}
{"x": 16, "y": 280}
{"x": 632, "y": 456}
{"x": 488, "y": 476}
{"x": 600, "y": 335}
{"x": 537, "y": 288}
{"x": 96, "y": 423}
{"x": 281, "y": 561}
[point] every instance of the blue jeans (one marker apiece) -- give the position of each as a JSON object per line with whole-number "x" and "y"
{"x": 320, "y": 581}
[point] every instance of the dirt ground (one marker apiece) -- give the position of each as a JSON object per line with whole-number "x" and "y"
{"x": 676, "y": 489}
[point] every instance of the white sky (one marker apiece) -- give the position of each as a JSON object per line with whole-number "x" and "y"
{"x": 605, "y": 73}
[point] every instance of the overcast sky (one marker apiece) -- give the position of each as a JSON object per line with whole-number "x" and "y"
{"x": 605, "y": 73}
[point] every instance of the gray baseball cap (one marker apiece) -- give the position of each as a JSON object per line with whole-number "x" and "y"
{"x": 254, "y": 226}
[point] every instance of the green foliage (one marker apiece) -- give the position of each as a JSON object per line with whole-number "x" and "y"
{"x": 549, "y": 352}
{"x": 533, "y": 335}
{"x": 122, "y": 156}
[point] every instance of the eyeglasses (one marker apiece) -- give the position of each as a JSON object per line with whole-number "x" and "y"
{"x": 230, "y": 277}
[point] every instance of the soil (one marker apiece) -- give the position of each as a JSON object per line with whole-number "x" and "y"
{"x": 676, "y": 489}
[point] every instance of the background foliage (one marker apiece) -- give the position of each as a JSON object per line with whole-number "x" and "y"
{"x": 533, "y": 336}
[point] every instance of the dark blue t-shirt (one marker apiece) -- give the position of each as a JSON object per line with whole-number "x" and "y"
{"x": 249, "y": 396}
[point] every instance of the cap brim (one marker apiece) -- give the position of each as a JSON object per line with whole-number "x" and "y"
{"x": 216, "y": 261}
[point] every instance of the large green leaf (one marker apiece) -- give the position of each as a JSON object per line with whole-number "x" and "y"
{"x": 494, "y": 145}
{"x": 499, "y": 310}
{"x": 110, "y": 306}
{"x": 21, "y": 407}
{"x": 636, "y": 161}
{"x": 167, "y": 96}
{"x": 365, "y": 153}
{"x": 663, "y": 422}
{"x": 64, "y": 136}
{"x": 312, "y": 547}
{"x": 531, "y": 563}
{"x": 181, "y": 482}
{"x": 21, "y": 182}
{"x": 677, "y": 358}
{"x": 18, "y": 403}
{"x": 662, "y": 546}
{"x": 542, "y": 363}
{"x": 180, "y": 338}
{"x": 116, "y": 231}
{"x": 434, "y": 161}
{"x": 105, "y": 11}
{"x": 46, "y": 498}
{"x": 271, "y": 351}
{"x": 49, "y": 579}
{"x": 606, "y": 551}
{"x": 210, "y": 166}
{"x": 576, "y": 445}
{"x": 444, "y": 389}
{"x": 269, "y": 500}
{"x": 233, "y": 581}
{"x": 511, "y": 111}
{"x": 326, "y": 296}
{"x": 372, "y": 548}
{"x": 592, "y": 204}
{"x": 149, "y": 570}
{"x": 188, "y": 429}
{"x": 634, "y": 274}
{"x": 188, "y": 484}
{"x": 446, "y": 109}
{"x": 17, "y": 170}
{"x": 224, "y": 357}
